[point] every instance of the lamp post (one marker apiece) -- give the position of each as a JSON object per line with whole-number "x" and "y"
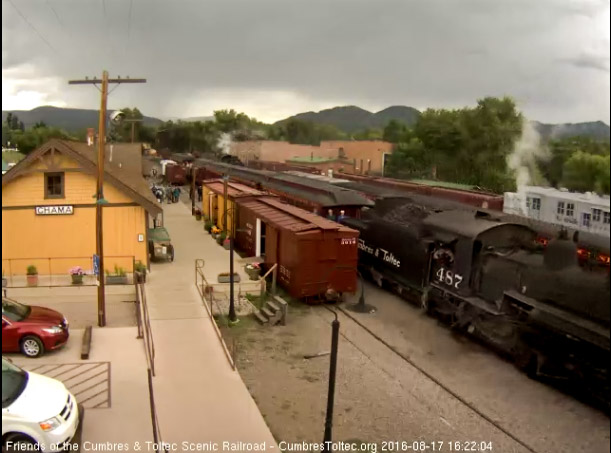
{"x": 233, "y": 318}
{"x": 331, "y": 392}
{"x": 361, "y": 306}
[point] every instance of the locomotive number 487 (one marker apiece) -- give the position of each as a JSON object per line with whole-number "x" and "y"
{"x": 449, "y": 278}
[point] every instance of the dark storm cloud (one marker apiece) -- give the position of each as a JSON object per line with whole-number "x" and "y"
{"x": 274, "y": 58}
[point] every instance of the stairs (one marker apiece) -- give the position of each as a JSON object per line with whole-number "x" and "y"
{"x": 273, "y": 312}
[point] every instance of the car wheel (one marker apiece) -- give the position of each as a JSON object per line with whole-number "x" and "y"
{"x": 18, "y": 442}
{"x": 31, "y": 346}
{"x": 171, "y": 253}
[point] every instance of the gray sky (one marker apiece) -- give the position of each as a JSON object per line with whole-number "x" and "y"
{"x": 275, "y": 58}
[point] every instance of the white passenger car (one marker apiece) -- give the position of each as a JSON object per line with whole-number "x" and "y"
{"x": 38, "y": 413}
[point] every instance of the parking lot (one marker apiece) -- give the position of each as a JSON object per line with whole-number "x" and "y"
{"x": 111, "y": 385}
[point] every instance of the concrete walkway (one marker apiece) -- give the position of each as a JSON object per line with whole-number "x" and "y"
{"x": 199, "y": 397}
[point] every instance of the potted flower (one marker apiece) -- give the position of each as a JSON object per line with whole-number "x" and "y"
{"x": 221, "y": 238}
{"x": 225, "y": 277}
{"x": 32, "y": 275}
{"x": 215, "y": 231}
{"x": 77, "y": 273}
{"x": 118, "y": 277}
{"x": 141, "y": 269}
{"x": 208, "y": 226}
{"x": 198, "y": 215}
{"x": 227, "y": 244}
{"x": 253, "y": 270}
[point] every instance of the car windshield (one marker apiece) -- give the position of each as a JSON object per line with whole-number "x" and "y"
{"x": 14, "y": 381}
{"x": 14, "y": 311}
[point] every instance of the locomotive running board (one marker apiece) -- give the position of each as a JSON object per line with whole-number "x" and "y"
{"x": 562, "y": 320}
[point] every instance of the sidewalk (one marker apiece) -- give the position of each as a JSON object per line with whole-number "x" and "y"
{"x": 199, "y": 398}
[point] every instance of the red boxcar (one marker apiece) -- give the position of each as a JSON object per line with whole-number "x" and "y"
{"x": 176, "y": 174}
{"x": 316, "y": 257}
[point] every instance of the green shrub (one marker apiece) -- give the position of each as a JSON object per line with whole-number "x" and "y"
{"x": 32, "y": 270}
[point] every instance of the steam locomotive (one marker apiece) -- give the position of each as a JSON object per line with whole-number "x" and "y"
{"x": 491, "y": 279}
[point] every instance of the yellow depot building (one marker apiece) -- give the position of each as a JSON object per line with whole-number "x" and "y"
{"x": 48, "y": 209}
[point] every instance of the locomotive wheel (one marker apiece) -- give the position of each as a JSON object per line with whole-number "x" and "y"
{"x": 527, "y": 361}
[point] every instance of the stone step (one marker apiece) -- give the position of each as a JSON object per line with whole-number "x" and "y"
{"x": 273, "y": 306}
{"x": 267, "y": 312}
{"x": 260, "y": 317}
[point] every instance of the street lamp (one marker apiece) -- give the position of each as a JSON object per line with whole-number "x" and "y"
{"x": 233, "y": 318}
{"x": 331, "y": 393}
{"x": 361, "y": 306}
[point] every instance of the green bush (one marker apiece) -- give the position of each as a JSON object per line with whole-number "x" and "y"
{"x": 32, "y": 270}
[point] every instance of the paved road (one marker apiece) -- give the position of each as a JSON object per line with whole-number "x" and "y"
{"x": 540, "y": 416}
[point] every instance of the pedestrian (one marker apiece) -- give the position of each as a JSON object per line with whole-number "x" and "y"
{"x": 330, "y": 215}
{"x": 341, "y": 215}
{"x": 199, "y": 193}
{"x": 176, "y": 194}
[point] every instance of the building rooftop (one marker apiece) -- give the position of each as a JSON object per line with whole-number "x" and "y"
{"x": 588, "y": 197}
{"x": 123, "y": 170}
{"x": 444, "y": 184}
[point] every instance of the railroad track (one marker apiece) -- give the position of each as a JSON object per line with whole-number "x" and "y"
{"x": 432, "y": 378}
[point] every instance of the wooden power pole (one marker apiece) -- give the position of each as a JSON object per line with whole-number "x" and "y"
{"x": 99, "y": 224}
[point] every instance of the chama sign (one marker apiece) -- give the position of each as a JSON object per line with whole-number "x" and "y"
{"x": 55, "y": 210}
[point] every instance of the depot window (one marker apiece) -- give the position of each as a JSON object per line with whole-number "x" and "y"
{"x": 54, "y": 185}
{"x": 606, "y": 218}
{"x": 561, "y": 207}
{"x": 596, "y": 215}
{"x": 570, "y": 209}
{"x": 536, "y": 204}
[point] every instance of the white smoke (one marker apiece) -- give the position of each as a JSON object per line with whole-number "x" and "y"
{"x": 224, "y": 143}
{"x": 527, "y": 152}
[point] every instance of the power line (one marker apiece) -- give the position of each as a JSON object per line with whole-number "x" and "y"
{"x": 32, "y": 26}
{"x": 129, "y": 20}
{"x": 56, "y": 15}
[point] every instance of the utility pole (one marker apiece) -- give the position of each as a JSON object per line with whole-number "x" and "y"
{"x": 104, "y": 82}
{"x": 133, "y": 122}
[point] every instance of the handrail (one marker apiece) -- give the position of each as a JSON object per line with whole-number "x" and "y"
{"x": 202, "y": 289}
{"x": 144, "y": 323}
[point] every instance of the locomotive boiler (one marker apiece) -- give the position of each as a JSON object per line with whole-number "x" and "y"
{"x": 491, "y": 279}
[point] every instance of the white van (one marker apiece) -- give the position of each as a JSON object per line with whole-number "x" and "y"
{"x": 38, "y": 413}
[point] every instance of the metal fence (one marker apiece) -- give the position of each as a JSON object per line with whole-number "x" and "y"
{"x": 55, "y": 272}
{"x": 206, "y": 292}
{"x": 146, "y": 333}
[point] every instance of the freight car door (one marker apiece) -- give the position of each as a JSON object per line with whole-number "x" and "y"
{"x": 271, "y": 245}
{"x": 444, "y": 270}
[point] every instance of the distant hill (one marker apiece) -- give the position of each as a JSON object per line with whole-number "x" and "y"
{"x": 353, "y": 119}
{"x": 593, "y": 129}
{"x": 71, "y": 120}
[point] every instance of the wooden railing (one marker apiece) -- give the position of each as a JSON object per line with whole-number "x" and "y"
{"x": 144, "y": 322}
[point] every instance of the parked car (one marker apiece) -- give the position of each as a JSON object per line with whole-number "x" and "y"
{"x": 38, "y": 413}
{"x": 31, "y": 330}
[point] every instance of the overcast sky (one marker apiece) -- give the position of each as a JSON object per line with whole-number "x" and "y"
{"x": 275, "y": 58}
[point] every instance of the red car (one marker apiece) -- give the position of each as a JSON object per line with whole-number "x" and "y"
{"x": 31, "y": 330}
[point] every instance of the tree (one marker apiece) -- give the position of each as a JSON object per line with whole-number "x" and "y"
{"x": 369, "y": 134}
{"x": 585, "y": 172}
{"x": 32, "y": 138}
{"x": 395, "y": 132}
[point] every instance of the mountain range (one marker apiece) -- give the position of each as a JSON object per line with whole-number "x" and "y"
{"x": 347, "y": 118}
{"x": 352, "y": 119}
{"x": 71, "y": 120}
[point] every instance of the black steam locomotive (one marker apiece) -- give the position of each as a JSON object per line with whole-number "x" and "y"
{"x": 491, "y": 279}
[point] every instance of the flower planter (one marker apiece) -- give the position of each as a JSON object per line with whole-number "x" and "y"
{"x": 253, "y": 274}
{"x": 198, "y": 217}
{"x": 116, "y": 280}
{"x": 224, "y": 278}
{"x": 226, "y": 245}
{"x": 77, "y": 279}
{"x": 32, "y": 280}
